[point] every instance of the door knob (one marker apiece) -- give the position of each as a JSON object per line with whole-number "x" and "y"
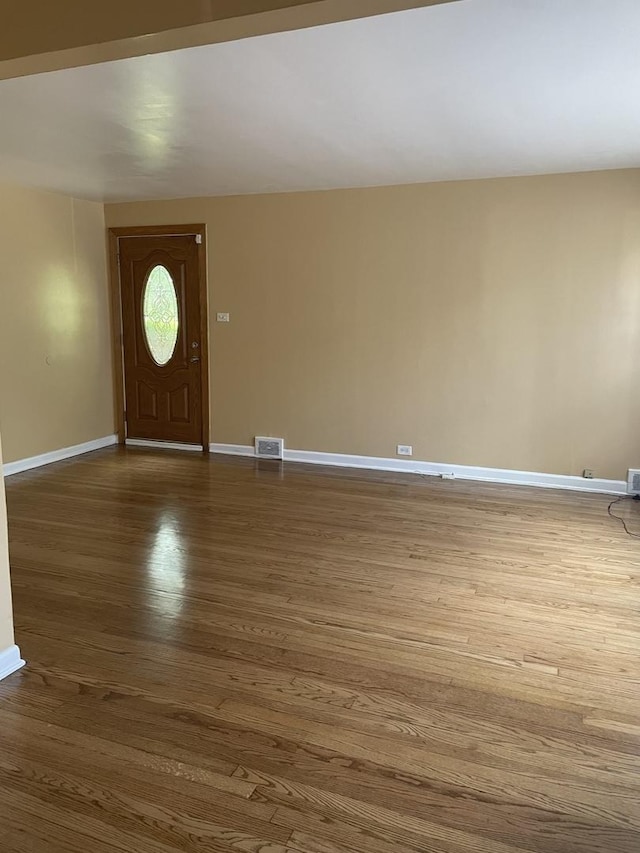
{"x": 194, "y": 359}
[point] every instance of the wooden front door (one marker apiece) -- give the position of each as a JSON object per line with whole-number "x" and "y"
{"x": 162, "y": 345}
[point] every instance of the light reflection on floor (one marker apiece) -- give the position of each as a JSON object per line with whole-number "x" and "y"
{"x": 167, "y": 565}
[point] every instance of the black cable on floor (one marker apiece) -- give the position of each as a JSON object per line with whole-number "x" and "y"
{"x": 621, "y": 520}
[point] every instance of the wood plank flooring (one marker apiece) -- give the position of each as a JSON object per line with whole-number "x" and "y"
{"x": 242, "y": 658}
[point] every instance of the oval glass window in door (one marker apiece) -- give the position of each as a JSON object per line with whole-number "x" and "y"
{"x": 160, "y": 315}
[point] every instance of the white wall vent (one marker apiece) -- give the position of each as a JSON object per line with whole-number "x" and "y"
{"x": 271, "y": 448}
{"x": 633, "y": 481}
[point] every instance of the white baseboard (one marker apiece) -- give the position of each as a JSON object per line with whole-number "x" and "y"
{"x": 374, "y": 463}
{"x": 233, "y": 449}
{"x": 57, "y": 455}
{"x": 161, "y": 445}
{"x": 438, "y": 469}
{"x": 10, "y": 661}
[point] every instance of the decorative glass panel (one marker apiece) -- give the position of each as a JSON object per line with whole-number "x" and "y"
{"x": 160, "y": 316}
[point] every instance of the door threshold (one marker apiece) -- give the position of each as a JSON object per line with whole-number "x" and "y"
{"x": 161, "y": 445}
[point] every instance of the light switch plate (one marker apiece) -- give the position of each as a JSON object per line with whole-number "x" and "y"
{"x": 222, "y": 317}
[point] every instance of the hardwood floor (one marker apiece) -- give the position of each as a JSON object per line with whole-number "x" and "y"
{"x": 231, "y": 657}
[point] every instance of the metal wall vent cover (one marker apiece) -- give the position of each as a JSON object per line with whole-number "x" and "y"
{"x": 633, "y": 481}
{"x": 269, "y": 448}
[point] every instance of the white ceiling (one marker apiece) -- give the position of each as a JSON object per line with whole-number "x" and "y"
{"x": 476, "y": 88}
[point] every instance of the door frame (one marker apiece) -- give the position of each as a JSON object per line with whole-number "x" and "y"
{"x": 115, "y": 235}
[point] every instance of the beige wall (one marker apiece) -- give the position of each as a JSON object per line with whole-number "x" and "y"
{"x": 55, "y": 350}
{"x": 6, "y": 613}
{"x": 492, "y": 323}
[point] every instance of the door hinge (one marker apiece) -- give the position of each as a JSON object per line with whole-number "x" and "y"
{"x": 198, "y": 239}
